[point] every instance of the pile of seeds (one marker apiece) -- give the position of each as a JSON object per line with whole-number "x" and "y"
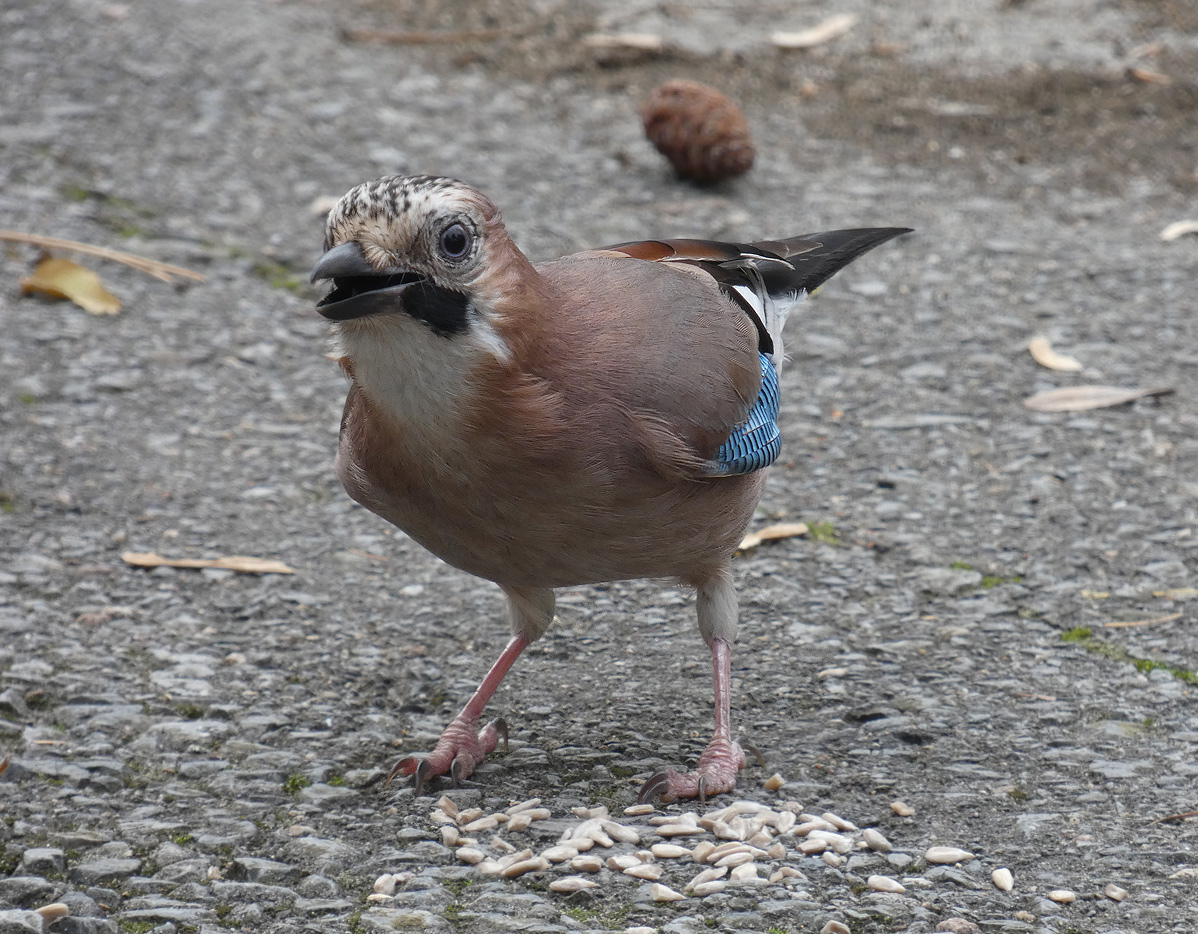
{"x": 743, "y": 844}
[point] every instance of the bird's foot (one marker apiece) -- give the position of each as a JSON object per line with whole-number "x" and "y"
{"x": 714, "y": 775}
{"x": 458, "y": 752}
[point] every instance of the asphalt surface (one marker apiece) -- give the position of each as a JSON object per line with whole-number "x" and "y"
{"x": 941, "y": 639}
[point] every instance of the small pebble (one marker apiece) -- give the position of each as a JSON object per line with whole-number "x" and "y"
{"x": 832, "y": 859}
{"x": 709, "y": 888}
{"x": 885, "y": 884}
{"x": 813, "y": 847}
{"x": 468, "y": 854}
{"x": 745, "y": 873}
{"x": 813, "y": 824}
{"x": 776, "y": 851}
{"x": 450, "y": 835}
{"x": 53, "y": 912}
{"x": 784, "y": 821}
{"x": 707, "y": 875}
{"x": 774, "y": 782}
{"x": 663, "y": 893}
{"x": 385, "y": 884}
{"x": 640, "y": 929}
{"x": 535, "y": 864}
{"x": 838, "y": 822}
{"x": 669, "y": 851}
{"x": 1024, "y": 916}
{"x": 378, "y": 898}
{"x": 490, "y": 822}
{"x": 944, "y": 855}
{"x": 732, "y": 860}
{"x": 875, "y": 841}
{"x": 621, "y": 832}
{"x": 787, "y": 872}
{"x": 1003, "y": 879}
{"x": 519, "y": 822}
{"x": 638, "y": 810}
{"x": 835, "y": 927}
{"x": 586, "y": 863}
{"x": 1114, "y": 893}
{"x": 622, "y": 861}
{"x": 902, "y": 808}
{"x": 1062, "y": 896}
{"x": 649, "y": 871}
{"x": 571, "y": 884}
{"x": 466, "y": 816}
{"x": 559, "y": 854}
{"x": 702, "y": 850}
{"x": 523, "y": 806}
{"x": 958, "y": 926}
{"x": 836, "y": 841}
{"x": 501, "y": 845}
{"x": 678, "y": 830}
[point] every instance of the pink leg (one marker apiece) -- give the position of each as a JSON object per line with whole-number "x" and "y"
{"x": 721, "y": 760}
{"x": 460, "y": 748}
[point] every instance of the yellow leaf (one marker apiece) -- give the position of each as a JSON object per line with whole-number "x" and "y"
{"x": 62, "y": 278}
{"x": 242, "y": 563}
{"x": 772, "y": 533}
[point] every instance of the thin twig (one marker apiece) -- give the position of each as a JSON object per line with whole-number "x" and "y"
{"x": 1176, "y": 817}
{"x": 1128, "y": 624}
{"x": 153, "y": 267}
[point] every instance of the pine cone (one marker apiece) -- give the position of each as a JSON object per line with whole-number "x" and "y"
{"x": 701, "y": 132}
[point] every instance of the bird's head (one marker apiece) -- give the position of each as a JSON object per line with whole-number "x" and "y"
{"x": 415, "y": 245}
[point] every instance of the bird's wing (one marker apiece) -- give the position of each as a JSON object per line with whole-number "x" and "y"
{"x": 689, "y": 338}
{"x": 656, "y": 347}
{"x": 759, "y": 276}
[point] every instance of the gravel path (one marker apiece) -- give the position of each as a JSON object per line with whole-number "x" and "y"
{"x": 202, "y": 750}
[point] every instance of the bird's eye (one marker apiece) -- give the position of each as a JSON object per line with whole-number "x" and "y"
{"x": 454, "y": 241}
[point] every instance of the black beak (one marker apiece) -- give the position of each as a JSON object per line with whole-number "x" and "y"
{"x": 358, "y": 288}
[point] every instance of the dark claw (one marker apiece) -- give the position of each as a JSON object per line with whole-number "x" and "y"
{"x": 458, "y": 771}
{"x": 501, "y": 728}
{"x": 702, "y": 789}
{"x": 653, "y": 788}
{"x": 424, "y": 772}
{"x": 756, "y": 754}
{"x": 400, "y": 768}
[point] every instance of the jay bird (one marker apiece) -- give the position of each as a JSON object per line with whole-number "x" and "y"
{"x": 605, "y": 416}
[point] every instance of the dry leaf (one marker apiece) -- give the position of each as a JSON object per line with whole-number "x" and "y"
{"x": 1179, "y": 229}
{"x": 829, "y": 29}
{"x": 62, "y": 278}
{"x": 245, "y": 565}
{"x": 772, "y": 533}
{"x": 1177, "y": 593}
{"x": 1042, "y": 352}
{"x": 1081, "y": 398}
